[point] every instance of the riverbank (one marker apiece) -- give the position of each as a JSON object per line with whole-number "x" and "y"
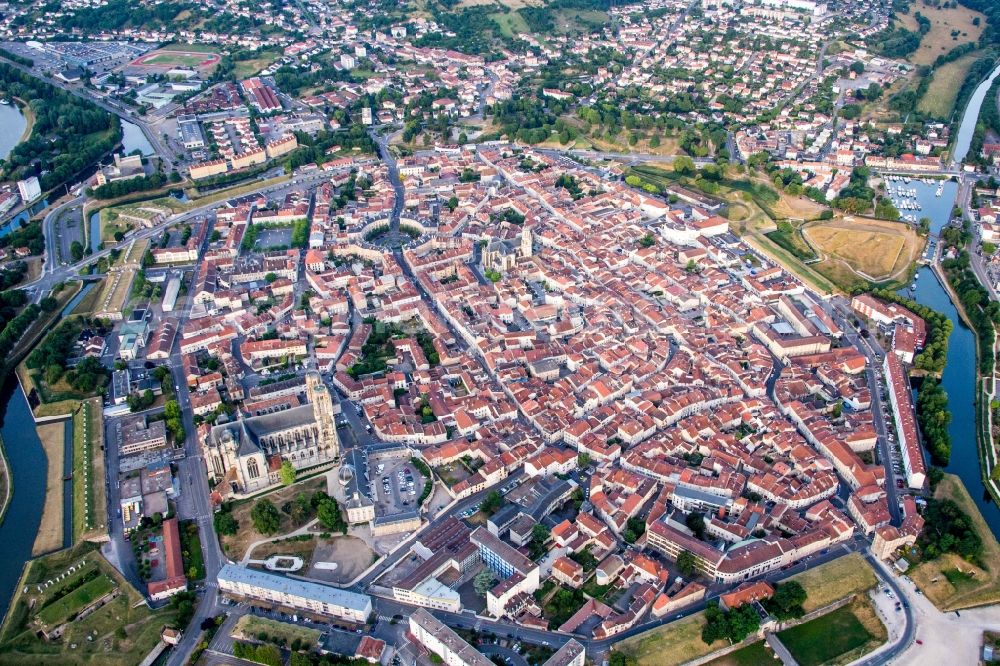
{"x": 6, "y": 481}
{"x": 29, "y": 119}
{"x": 950, "y": 582}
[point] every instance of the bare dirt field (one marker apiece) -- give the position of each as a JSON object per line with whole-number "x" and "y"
{"x": 940, "y": 39}
{"x": 874, "y": 249}
{"x": 352, "y": 556}
{"x": 50, "y": 532}
{"x": 800, "y": 208}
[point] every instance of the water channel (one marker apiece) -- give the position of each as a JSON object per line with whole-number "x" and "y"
{"x": 959, "y": 382}
{"x": 28, "y": 466}
{"x": 968, "y": 126}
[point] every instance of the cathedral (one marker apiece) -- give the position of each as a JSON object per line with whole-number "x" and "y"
{"x": 244, "y": 456}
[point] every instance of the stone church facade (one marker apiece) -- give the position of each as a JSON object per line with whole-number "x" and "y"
{"x": 246, "y": 454}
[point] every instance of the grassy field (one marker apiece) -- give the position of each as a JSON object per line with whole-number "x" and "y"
{"x": 72, "y": 603}
{"x": 939, "y": 100}
{"x": 672, "y": 644}
{"x": 235, "y": 546}
{"x": 174, "y": 59}
{"x": 833, "y": 581}
{"x": 250, "y": 626}
{"x": 950, "y": 582}
{"x": 88, "y": 466}
{"x": 50, "y": 532}
{"x": 751, "y": 655}
{"x": 120, "y": 633}
{"x": 837, "y": 637}
{"x": 511, "y": 4}
{"x": 228, "y": 193}
{"x": 246, "y": 68}
{"x": 874, "y": 249}
{"x": 510, "y": 24}
{"x": 944, "y": 22}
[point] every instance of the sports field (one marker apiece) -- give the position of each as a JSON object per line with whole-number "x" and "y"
{"x": 164, "y": 59}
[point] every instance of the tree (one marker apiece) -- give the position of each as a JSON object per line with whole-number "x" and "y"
{"x": 583, "y": 460}
{"x": 287, "y": 473}
{"x": 786, "y": 604}
{"x": 491, "y": 503}
{"x": 225, "y": 524}
{"x": 686, "y": 563}
{"x": 696, "y": 523}
{"x": 265, "y": 517}
{"x": 648, "y": 240}
{"x": 328, "y": 513}
{"x": 483, "y": 582}
{"x": 684, "y": 165}
{"x": 735, "y": 625}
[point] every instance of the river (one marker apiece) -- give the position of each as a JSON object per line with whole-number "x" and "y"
{"x": 28, "y": 469}
{"x": 12, "y": 125}
{"x": 959, "y": 382}
{"x": 968, "y": 126}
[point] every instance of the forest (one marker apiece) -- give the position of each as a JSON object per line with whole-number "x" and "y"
{"x": 69, "y": 134}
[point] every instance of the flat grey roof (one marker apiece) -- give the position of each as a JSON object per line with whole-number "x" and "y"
{"x": 300, "y": 588}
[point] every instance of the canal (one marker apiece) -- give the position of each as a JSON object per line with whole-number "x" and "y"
{"x": 959, "y": 382}
{"x": 28, "y": 469}
{"x": 968, "y": 126}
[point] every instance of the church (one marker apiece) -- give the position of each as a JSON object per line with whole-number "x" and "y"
{"x": 502, "y": 255}
{"x": 244, "y": 456}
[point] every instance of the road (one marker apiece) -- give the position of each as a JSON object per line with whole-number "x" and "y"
{"x": 193, "y": 479}
{"x": 54, "y": 274}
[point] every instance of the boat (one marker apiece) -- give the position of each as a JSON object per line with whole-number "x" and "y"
{"x": 5, "y": 101}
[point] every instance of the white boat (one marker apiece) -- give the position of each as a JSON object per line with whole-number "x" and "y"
{"x": 5, "y": 101}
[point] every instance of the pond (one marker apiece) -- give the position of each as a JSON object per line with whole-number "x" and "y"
{"x": 12, "y": 126}
{"x": 134, "y": 139}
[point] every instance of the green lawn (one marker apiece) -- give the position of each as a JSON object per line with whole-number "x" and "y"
{"x": 825, "y": 638}
{"x": 191, "y": 548}
{"x": 250, "y": 627}
{"x": 76, "y": 600}
{"x": 754, "y": 654}
{"x": 120, "y": 633}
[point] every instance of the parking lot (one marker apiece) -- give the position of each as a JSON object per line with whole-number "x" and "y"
{"x": 395, "y": 483}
